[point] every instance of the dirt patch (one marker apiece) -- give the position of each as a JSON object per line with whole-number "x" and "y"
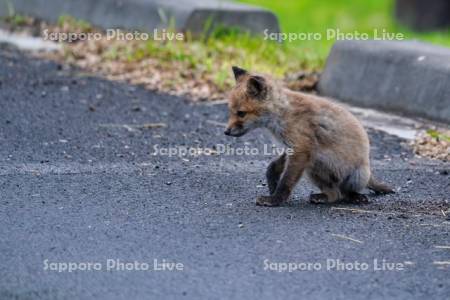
{"x": 434, "y": 144}
{"x": 422, "y": 211}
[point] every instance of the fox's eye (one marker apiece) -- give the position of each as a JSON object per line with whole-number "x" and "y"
{"x": 241, "y": 114}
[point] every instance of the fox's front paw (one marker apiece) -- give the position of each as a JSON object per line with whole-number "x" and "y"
{"x": 268, "y": 201}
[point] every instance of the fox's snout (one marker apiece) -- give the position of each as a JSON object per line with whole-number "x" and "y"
{"x": 235, "y": 131}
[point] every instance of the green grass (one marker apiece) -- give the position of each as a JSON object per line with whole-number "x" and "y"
{"x": 438, "y": 135}
{"x": 16, "y": 20}
{"x": 213, "y": 56}
{"x": 81, "y": 25}
{"x": 304, "y": 16}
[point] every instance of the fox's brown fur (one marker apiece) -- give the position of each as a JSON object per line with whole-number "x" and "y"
{"x": 328, "y": 143}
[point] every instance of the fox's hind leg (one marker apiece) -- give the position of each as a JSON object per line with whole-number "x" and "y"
{"x": 327, "y": 180}
{"x": 354, "y": 183}
{"x": 326, "y": 197}
{"x": 274, "y": 171}
{"x": 356, "y": 198}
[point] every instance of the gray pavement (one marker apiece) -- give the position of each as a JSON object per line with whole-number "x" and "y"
{"x": 79, "y": 183}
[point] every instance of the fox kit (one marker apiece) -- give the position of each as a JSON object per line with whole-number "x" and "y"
{"x": 327, "y": 142}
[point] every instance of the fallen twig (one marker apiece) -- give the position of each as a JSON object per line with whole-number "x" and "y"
{"x": 347, "y": 238}
{"x": 151, "y": 125}
{"x": 442, "y": 263}
{"x": 354, "y": 210}
{"x": 442, "y": 247}
{"x": 211, "y": 103}
{"x": 212, "y": 122}
{"x": 435, "y": 225}
{"x": 134, "y": 128}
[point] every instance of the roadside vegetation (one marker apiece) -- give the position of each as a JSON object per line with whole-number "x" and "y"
{"x": 200, "y": 67}
{"x": 197, "y": 67}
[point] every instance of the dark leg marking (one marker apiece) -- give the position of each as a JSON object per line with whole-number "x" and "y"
{"x": 274, "y": 171}
{"x": 293, "y": 170}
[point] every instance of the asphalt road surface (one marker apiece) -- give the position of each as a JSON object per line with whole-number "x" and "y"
{"x": 85, "y": 184}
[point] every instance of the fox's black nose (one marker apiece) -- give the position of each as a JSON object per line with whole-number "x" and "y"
{"x": 227, "y": 131}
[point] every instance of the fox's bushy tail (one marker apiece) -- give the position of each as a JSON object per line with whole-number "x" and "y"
{"x": 379, "y": 187}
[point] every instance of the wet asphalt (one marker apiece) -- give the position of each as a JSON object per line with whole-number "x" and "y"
{"x": 83, "y": 181}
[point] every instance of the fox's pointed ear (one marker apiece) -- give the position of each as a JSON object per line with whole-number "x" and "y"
{"x": 257, "y": 87}
{"x": 238, "y": 72}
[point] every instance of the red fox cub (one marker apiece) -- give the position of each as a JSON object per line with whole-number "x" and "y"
{"x": 327, "y": 142}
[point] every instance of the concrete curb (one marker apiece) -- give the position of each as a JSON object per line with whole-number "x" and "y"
{"x": 407, "y": 77}
{"x": 423, "y": 15}
{"x": 188, "y": 15}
